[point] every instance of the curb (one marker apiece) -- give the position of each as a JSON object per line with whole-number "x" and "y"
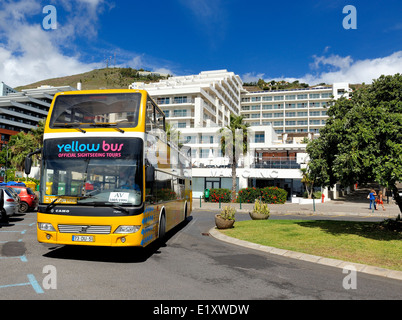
{"x": 387, "y": 273}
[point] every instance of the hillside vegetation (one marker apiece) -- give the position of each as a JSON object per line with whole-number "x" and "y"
{"x": 107, "y": 78}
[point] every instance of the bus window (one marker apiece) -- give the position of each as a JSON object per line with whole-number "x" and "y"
{"x": 150, "y": 122}
{"x": 160, "y": 119}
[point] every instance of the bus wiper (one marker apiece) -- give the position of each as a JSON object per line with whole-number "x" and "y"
{"x": 122, "y": 209}
{"x": 52, "y": 204}
{"x": 69, "y": 125}
{"x": 105, "y": 125}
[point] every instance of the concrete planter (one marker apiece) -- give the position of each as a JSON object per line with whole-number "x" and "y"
{"x": 223, "y": 223}
{"x": 258, "y": 216}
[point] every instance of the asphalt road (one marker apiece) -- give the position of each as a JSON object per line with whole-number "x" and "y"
{"x": 191, "y": 265}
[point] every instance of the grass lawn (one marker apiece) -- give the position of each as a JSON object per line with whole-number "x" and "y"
{"x": 360, "y": 242}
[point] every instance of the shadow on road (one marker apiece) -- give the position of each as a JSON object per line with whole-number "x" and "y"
{"x": 112, "y": 254}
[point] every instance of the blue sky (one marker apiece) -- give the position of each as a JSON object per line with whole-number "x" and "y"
{"x": 303, "y": 40}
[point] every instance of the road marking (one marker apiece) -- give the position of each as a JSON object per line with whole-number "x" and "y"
{"x": 23, "y": 258}
{"x": 10, "y": 231}
{"x": 38, "y": 289}
{"x": 32, "y": 281}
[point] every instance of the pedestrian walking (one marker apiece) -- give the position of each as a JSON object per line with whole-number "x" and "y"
{"x": 371, "y": 197}
{"x": 380, "y": 200}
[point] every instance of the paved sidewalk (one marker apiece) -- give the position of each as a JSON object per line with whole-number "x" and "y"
{"x": 330, "y": 208}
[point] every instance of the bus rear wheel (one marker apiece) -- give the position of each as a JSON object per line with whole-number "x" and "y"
{"x": 162, "y": 227}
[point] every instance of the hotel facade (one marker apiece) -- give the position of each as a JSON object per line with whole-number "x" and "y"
{"x": 198, "y": 106}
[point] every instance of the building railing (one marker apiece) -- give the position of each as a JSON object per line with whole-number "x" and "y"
{"x": 276, "y": 163}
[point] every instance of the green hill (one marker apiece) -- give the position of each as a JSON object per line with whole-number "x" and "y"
{"x": 110, "y": 78}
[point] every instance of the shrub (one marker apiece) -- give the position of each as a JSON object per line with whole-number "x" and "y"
{"x": 224, "y": 195}
{"x": 268, "y": 195}
{"x": 273, "y": 195}
{"x": 248, "y": 195}
{"x": 261, "y": 207}
{"x": 228, "y": 213}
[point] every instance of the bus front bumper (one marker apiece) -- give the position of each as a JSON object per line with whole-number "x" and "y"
{"x": 49, "y": 230}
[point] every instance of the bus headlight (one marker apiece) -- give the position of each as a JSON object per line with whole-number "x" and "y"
{"x": 46, "y": 226}
{"x": 127, "y": 229}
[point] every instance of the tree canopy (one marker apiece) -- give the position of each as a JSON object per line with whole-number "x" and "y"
{"x": 362, "y": 139}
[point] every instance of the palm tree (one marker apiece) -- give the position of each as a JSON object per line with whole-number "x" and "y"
{"x": 234, "y": 142}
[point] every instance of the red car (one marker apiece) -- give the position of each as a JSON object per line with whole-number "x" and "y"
{"x": 29, "y": 200}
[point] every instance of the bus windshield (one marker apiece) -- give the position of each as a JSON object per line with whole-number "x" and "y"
{"x": 92, "y": 171}
{"x": 96, "y": 110}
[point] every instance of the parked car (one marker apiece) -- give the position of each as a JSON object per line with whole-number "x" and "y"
{"x": 29, "y": 200}
{"x": 16, "y": 197}
{"x": 10, "y": 206}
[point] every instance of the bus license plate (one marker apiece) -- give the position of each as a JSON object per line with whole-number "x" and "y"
{"x": 83, "y": 238}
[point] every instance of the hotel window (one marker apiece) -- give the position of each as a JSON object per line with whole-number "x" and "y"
{"x": 245, "y": 107}
{"x": 302, "y": 114}
{"x": 326, "y": 95}
{"x": 266, "y": 106}
{"x": 290, "y": 123}
{"x": 204, "y": 153}
{"x": 278, "y": 98}
{"x": 180, "y": 99}
{"x": 245, "y": 99}
{"x": 323, "y": 113}
{"x": 314, "y": 95}
{"x": 302, "y": 105}
{"x": 278, "y": 106}
{"x": 290, "y": 114}
{"x": 302, "y": 122}
{"x": 291, "y": 97}
{"x": 290, "y": 105}
{"x": 255, "y": 107}
{"x": 181, "y": 125}
{"x": 314, "y": 113}
{"x": 167, "y": 113}
{"x": 255, "y": 115}
{"x": 207, "y": 139}
{"x": 315, "y": 122}
{"x": 314, "y": 104}
{"x": 267, "y": 98}
{"x": 180, "y": 113}
{"x": 301, "y": 96}
{"x": 255, "y": 99}
{"x": 163, "y": 100}
{"x": 267, "y": 115}
{"x": 259, "y": 137}
{"x": 264, "y": 123}
{"x": 278, "y": 115}
{"x": 278, "y": 123}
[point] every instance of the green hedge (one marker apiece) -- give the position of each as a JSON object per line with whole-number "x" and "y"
{"x": 224, "y": 195}
{"x": 272, "y": 195}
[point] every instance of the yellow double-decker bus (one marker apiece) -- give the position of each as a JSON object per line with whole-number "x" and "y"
{"x": 109, "y": 176}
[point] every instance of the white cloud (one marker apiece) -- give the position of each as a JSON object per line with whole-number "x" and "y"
{"x": 28, "y": 53}
{"x": 345, "y": 69}
{"x": 340, "y": 69}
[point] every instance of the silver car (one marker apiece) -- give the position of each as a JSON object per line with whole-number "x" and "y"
{"x": 10, "y": 206}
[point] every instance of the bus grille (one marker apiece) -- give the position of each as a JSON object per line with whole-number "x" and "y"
{"x": 65, "y": 228}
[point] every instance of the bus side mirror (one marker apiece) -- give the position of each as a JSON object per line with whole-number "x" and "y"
{"x": 28, "y": 160}
{"x": 149, "y": 173}
{"x": 28, "y": 165}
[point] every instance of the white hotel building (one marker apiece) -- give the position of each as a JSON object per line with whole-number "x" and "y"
{"x": 199, "y": 105}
